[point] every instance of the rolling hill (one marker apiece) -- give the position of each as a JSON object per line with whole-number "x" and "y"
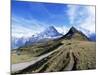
{"x": 72, "y": 51}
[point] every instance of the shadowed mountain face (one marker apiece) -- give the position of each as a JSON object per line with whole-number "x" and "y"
{"x": 73, "y": 33}
{"x": 93, "y": 37}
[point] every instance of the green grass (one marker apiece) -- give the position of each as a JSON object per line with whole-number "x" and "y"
{"x": 40, "y": 48}
{"x": 84, "y": 54}
{"x": 21, "y": 58}
{"x": 32, "y": 51}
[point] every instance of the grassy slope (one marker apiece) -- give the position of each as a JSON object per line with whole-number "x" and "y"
{"x": 31, "y": 52}
{"x": 84, "y": 54}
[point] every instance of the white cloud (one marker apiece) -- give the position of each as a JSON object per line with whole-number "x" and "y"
{"x": 24, "y": 28}
{"x": 71, "y": 12}
{"x": 84, "y": 24}
{"x": 19, "y": 31}
{"x": 63, "y": 29}
{"x": 89, "y": 23}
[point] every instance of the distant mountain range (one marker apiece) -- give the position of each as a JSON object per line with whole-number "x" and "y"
{"x": 48, "y": 33}
{"x": 17, "y": 42}
{"x": 92, "y": 37}
{"x": 51, "y": 33}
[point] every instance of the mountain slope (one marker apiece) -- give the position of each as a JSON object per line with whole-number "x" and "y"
{"x": 18, "y": 42}
{"x": 48, "y": 34}
{"x": 73, "y": 52}
{"x": 73, "y": 33}
{"x": 71, "y": 55}
{"x": 92, "y": 37}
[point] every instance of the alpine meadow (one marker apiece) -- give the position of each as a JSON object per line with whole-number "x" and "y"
{"x": 52, "y": 37}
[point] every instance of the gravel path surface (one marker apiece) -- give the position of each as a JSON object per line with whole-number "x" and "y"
{"x": 21, "y": 66}
{"x": 70, "y": 64}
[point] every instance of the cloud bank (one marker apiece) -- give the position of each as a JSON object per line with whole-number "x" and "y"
{"x": 25, "y": 28}
{"x": 83, "y": 17}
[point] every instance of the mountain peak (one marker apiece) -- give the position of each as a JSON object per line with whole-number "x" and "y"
{"x": 50, "y": 32}
{"x": 73, "y": 33}
{"x": 73, "y": 29}
{"x": 51, "y": 27}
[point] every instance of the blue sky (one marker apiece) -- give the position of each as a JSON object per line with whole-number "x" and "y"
{"x": 30, "y": 18}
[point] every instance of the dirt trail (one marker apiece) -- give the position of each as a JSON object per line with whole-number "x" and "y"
{"x": 22, "y": 66}
{"x": 70, "y": 64}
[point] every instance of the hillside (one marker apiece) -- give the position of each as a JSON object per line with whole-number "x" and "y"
{"x": 81, "y": 53}
{"x": 73, "y": 51}
{"x": 73, "y": 33}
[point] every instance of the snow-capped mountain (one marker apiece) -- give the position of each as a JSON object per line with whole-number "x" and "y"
{"x": 17, "y": 42}
{"x": 49, "y": 33}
